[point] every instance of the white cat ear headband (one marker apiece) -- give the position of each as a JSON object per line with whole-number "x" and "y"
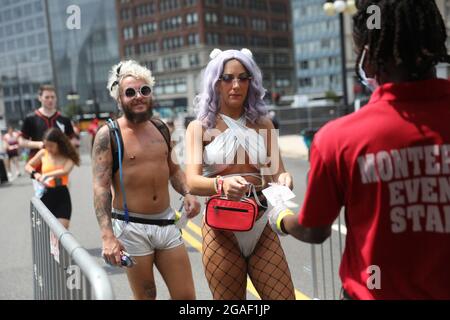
{"x": 217, "y": 51}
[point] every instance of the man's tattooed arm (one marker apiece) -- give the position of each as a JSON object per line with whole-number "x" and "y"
{"x": 101, "y": 170}
{"x": 177, "y": 177}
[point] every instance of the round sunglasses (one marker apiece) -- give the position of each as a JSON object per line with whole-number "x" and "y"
{"x": 144, "y": 91}
{"x": 229, "y": 78}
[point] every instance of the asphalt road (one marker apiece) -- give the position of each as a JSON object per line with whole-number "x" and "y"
{"x": 15, "y": 242}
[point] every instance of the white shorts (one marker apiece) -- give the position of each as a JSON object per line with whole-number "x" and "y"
{"x": 143, "y": 239}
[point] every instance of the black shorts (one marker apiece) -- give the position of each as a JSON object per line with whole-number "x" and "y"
{"x": 57, "y": 200}
{"x": 12, "y": 153}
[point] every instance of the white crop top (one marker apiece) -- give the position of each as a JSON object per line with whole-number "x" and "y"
{"x": 221, "y": 152}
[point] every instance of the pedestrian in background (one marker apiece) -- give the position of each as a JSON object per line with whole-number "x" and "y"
{"x": 56, "y": 160}
{"x": 38, "y": 122}
{"x": 11, "y": 146}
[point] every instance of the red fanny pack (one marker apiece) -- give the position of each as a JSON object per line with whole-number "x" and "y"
{"x": 224, "y": 214}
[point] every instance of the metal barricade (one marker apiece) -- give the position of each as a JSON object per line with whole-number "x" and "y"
{"x": 62, "y": 268}
{"x": 325, "y": 257}
{"x": 325, "y": 262}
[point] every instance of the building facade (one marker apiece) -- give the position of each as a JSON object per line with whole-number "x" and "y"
{"x": 39, "y": 46}
{"x": 83, "y": 52}
{"x": 2, "y": 111}
{"x": 25, "y": 56}
{"x": 318, "y": 51}
{"x": 175, "y": 37}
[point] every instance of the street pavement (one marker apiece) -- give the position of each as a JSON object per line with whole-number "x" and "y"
{"x": 15, "y": 238}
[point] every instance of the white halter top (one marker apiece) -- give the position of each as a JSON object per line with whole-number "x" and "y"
{"x": 221, "y": 152}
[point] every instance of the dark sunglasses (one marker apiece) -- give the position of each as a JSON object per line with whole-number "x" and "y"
{"x": 145, "y": 91}
{"x": 228, "y": 78}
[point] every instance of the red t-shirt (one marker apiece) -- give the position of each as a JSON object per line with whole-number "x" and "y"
{"x": 389, "y": 165}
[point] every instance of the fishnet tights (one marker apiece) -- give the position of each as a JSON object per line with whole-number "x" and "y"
{"x": 226, "y": 269}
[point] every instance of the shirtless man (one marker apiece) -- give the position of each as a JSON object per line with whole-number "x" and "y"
{"x": 149, "y": 236}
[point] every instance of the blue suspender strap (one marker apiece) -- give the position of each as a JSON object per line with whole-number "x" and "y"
{"x": 119, "y": 148}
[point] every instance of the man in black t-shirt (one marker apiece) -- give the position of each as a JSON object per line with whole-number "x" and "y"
{"x": 37, "y": 122}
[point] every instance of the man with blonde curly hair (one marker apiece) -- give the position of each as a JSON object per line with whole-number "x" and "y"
{"x": 136, "y": 217}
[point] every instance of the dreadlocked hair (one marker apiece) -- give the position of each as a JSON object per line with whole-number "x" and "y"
{"x": 412, "y": 34}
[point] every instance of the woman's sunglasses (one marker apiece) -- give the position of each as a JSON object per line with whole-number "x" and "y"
{"x": 145, "y": 91}
{"x": 229, "y": 78}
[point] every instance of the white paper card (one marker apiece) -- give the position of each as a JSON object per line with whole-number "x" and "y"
{"x": 276, "y": 192}
{"x": 182, "y": 222}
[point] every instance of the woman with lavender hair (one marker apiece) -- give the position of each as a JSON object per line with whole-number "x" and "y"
{"x": 228, "y": 149}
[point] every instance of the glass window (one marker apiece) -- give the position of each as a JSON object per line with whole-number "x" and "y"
{"x": 194, "y": 59}
{"x": 27, "y": 9}
{"x": 42, "y": 37}
{"x": 17, "y": 12}
{"x": 38, "y": 6}
{"x": 260, "y": 5}
{"x": 19, "y": 27}
{"x": 212, "y": 38}
{"x": 29, "y": 24}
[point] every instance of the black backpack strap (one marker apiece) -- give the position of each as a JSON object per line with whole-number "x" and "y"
{"x": 113, "y": 126}
{"x": 162, "y": 127}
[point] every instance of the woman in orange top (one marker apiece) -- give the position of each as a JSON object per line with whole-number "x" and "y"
{"x": 57, "y": 160}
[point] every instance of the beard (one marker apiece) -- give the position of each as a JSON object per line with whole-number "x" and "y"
{"x": 137, "y": 117}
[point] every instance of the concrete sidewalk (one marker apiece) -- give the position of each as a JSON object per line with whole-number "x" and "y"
{"x": 292, "y": 146}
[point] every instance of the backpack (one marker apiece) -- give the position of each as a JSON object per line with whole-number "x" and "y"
{"x": 114, "y": 126}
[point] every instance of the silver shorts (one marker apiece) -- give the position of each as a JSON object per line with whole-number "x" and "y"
{"x": 143, "y": 239}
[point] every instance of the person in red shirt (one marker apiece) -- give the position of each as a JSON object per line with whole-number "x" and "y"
{"x": 388, "y": 164}
{"x": 93, "y": 128}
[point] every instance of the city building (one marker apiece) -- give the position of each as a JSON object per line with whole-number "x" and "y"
{"x": 2, "y": 111}
{"x": 175, "y": 37}
{"x": 318, "y": 51}
{"x": 40, "y": 44}
{"x": 83, "y": 54}
{"x": 25, "y": 55}
{"x": 318, "y": 54}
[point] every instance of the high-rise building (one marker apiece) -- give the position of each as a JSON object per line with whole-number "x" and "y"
{"x": 318, "y": 51}
{"x": 2, "y": 111}
{"x": 175, "y": 37}
{"x": 39, "y": 45}
{"x": 84, "y": 53}
{"x": 25, "y": 55}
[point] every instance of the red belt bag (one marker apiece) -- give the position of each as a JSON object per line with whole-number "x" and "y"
{"x": 224, "y": 214}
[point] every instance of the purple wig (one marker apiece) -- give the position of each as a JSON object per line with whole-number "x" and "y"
{"x": 207, "y": 102}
